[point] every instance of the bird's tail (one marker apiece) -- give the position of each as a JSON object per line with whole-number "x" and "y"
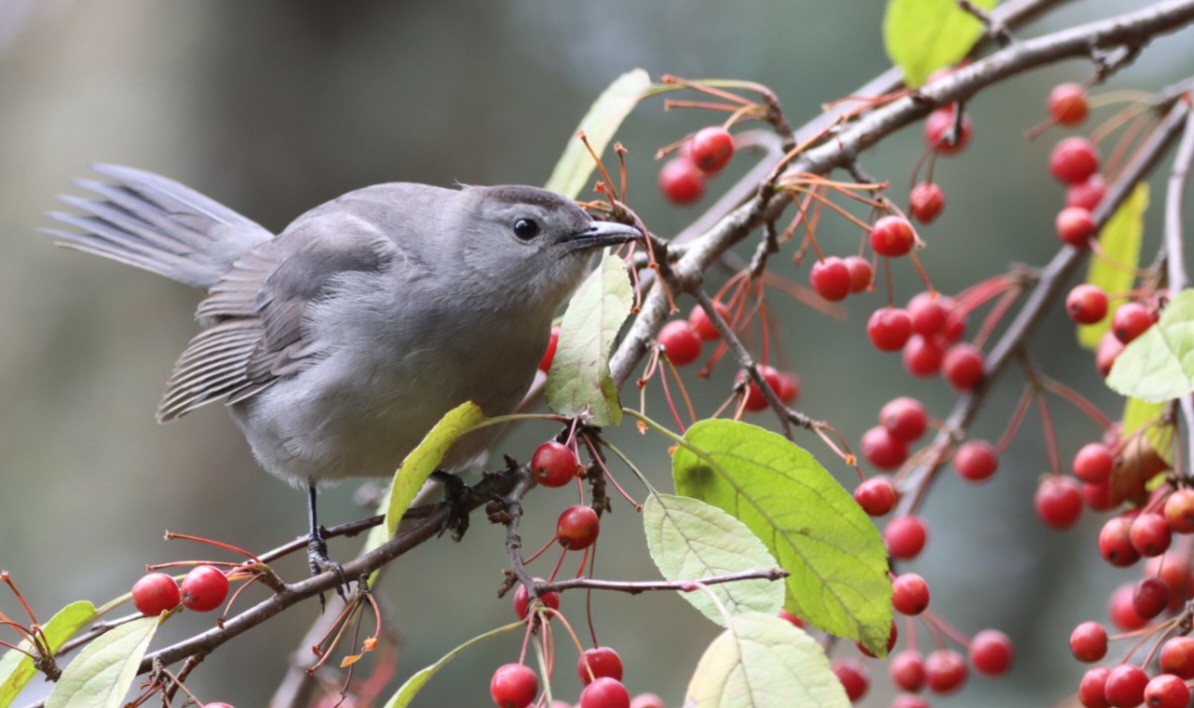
{"x": 157, "y": 224}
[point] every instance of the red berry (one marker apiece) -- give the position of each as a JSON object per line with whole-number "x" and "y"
{"x": 928, "y": 313}
{"x": 1088, "y": 642}
{"x": 701, "y": 323}
{"x": 681, "y": 181}
{"x": 1075, "y": 226}
{"x": 554, "y": 464}
{"x": 955, "y": 327}
{"x": 905, "y": 537}
{"x": 1130, "y": 321}
{"x": 922, "y": 356}
{"x": 893, "y": 634}
{"x": 522, "y": 600}
{"x": 755, "y": 399}
{"x": 1150, "y": 597}
{"x": 1115, "y": 544}
{"x": 711, "y": 148}
{"x": 1177, "y": 657}
{"x": 1093, "y": 463}
{"x": 926, "y": 202}
{"x": 1121, "y": 611}
{"x": 975, "y": 460}
{"x": 963, "y": 366}
{"x": 1107, "y": 352}
{"x": 1086, "y": 304}
{"x": 791, "y": 618}
{"x": 945, "y": 671}
{"x": 907, "y": 670}
{"x": 549, "y": 354}
{"x": 876, "y": 496}
{"x": 1092, "y": 689}
{"x": 155, "y": 593}
{"x": 1073, "y": 160}
{"x": 1058, "y": 502}
{"x": 600, "y": 661}
{"x": 513, "y": 686}
{"x": 1125, "y": 686}
{"x": 889, "y": 329}
{"x": 577, "y": 527}
{"x": 861, "y": 273}
{"x": 1149, "y": 534}
{"x": 1067, "y": 103}
{"x": 830, "y": 278}
{"x": 1087, "y": 194}
{"x": 854, "y": 678}
{"x": 882, "y": 450}
{"x": 1098, "y": 496}
{"x": 939, "y": 131}
{"x": 1179, "y": 511}
{"x": 605, "y": 692}
{"x": 680, "y": 342}
{"x": 204, "y": 588}
{"x": 786, "y": 385}
{"x": 991, "y": 652}
{"x": 892, "y": 236}
{"x": 904, "y": 418}
{"x": 1164, "y": 691}
{"x": 909, "y": 594}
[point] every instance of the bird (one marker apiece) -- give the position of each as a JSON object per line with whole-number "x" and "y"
{"x": 339, "y": 342}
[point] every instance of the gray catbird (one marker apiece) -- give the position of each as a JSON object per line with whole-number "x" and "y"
{"x": 340, "y": 342}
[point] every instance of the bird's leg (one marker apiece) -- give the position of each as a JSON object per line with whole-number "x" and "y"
{"x": 456, "y": 495}
{"x": 317, "y": 546}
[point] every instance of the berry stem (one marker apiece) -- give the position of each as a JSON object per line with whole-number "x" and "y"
{"x": 1074, "y": 398}
{"x": 1013, "y": 425}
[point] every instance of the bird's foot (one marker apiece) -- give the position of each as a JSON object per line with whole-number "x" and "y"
{"x": 319, "y": 562}
{"x": 456, "y": 496}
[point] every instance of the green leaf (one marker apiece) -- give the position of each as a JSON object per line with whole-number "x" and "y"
{"x": 1120, "y": 240}
{"x": 762, "y": 661}
{"x": 102, "y": 674}
{"x": 922, "y": 36}
{"x": 16, "y": 668}
{"x": 1138, "y": 413}
{"x": 571, "y": 173}
{"x": 806, "y": 519}
{"x": 692, "y": 540}
{"x": 1158, "y": 365}
{"x": 407, "y": 692}
{"x": 579, "y": 381}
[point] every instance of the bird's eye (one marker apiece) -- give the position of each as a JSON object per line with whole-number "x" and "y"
{"x": 526, "y": 229}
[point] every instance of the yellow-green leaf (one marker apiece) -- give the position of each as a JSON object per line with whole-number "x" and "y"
{"x": 833, "y": 552}
{"x": 407, "y": 692}
{"x": 1158, "y": 365}
{"x": 579, "y": 380}
{"x": 1120, "y": 241}
{"x": 762, "y": 661}
{"x": 922, "y": 36}
{"x": 102, "y": 674}
{"x": 572, "y": 172}
{"x": 691, "y": 540}
{"x": 16, "y": 668}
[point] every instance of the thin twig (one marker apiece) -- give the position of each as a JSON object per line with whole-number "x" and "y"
{"x": 1175, "y": 263}
{"x": 639, "y": 586}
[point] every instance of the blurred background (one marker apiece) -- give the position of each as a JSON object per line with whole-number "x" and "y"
{"x": 272, "y": 107}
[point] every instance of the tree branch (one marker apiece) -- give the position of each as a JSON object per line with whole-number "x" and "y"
{"x": 1176, "y": 261}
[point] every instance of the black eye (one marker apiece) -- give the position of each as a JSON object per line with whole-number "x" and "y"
{"x": 526, "y": 229}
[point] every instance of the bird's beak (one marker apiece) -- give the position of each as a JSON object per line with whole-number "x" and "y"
{"x": 600, "y": 234}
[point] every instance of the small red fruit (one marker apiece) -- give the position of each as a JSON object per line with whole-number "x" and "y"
{"x": 882, "y": 450}
{"x": 1073, "y": 160}
{"x": 599, "y": 662}
{"x": 711, "y": 148}
{"x": 925, "y": 202}
{"x": 876, "y": 496}
{"x": 905, "y": 537}
{"x": 513, "y": 686}
{"x": 892, "y": 236}
{"x": 578, "y": 527}
{"x": 830, "y": 278}
{"x": 929, "y": 314}
{"x": 522, "y": 600}
{"x": 963, "y": 366}
{"x": 1067, "y": 103}
{"x": 1093, "y": 463}
{"x": 1121, "y": 611}
{"x": 1149, "y": 534}
{"x": 1098, "y": 496}
{"x": 549, "y": 354}
{"x": 605, "y": 692}
{"x": 554, "y": 464}
{"x": 1177, "y": 657}
{"x": 785, "y": 384}
{"x": 1130, "y": 321}
{"x": 681, "y": 181}
{"x": 1088, "y": 642}
{"x": 861, "y": 273}
{"x": 945, "y": 671}
{"x": 853, "y": 677}
{"x": 939, "y": 131}
{"x": 155, "y": 593}
{"x": 991, "y": 652}
{"x": 1059, "y": 502}
{"x": 1115, "y": 544}
{"x": 1150, "y": 597}
{"x": 1125, "y": 686}
{"x": 1086, "y": 304}
{"x": 1164, "y": 691}
{"x": 975, "y": 460}
{"x": 703, "y": 326}
{"x": 680, "y": 342}
{"x": 1092, "y": 688}
{"x": 909, "y": 594}
{"x": 1179, "y": 511}
{"x": 907, "y": 671}
{"x": 1075, "y": 226}
{"x": 204, "y": 588}
{"x": 1087, "y": 194}
{"x": 889, "y": 329}
{"x": 904, "y": 418}
{"x": 922, "y": 356}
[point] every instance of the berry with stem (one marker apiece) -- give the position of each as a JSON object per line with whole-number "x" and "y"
{"x": 991, "y": 652}
{"x": 883, "y": 450}
{"x": 892, "y": 236}
{"x": 909, "y": 594}
{"x": 877, "y": 496}
{"x": 681, "y": 181}
{"x": 578, "y": 527}
{"x": 605, "y": 692}
{"x": 939, "y": 131}
{"x": 1073, "y": 160}
{"x": 1067, "y": 103}
{"x": 513, "y": 686}
{"x": 925, "y": 202}
{"x": 889, "y": 329}
{"x": 711, "y": 148}
{"x": 830, "y": 278}
{"x": 905, "y": 537}
{"x": 598, "y": 662}
{"x": 204, "y": 588}
{"x": 1088, "y": 642}
{"x": 155, "y": 593}
{"x": 976, "y": 461}
{"x": 554, "y": 464}
{"x": 1086, "y": 304}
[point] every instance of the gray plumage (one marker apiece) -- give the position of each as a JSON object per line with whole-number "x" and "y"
{"x": 340, "y": 342}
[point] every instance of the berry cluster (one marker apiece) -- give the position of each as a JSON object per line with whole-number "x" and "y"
{"x": 682, "y": 178}
{"x": 203, "y": 589}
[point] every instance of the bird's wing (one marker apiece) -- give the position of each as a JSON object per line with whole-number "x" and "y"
{"x": 256, "y": 313}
